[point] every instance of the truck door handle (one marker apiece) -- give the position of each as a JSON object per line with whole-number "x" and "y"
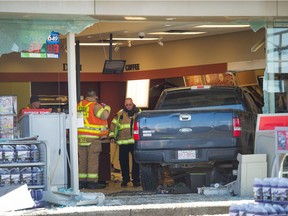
{"x": 185, "y": 117}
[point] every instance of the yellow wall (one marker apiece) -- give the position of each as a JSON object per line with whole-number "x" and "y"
{"x": 17, "y": 88}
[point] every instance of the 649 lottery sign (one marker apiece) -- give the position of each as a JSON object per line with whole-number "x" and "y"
{"x": 50, "y": 49}
{"x": 53, "y": 45}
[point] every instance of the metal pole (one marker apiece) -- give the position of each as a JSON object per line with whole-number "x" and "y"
{"x": 110, "y": 47}
{"x": 78, "y": 71}
{"x": 72, "y": 111}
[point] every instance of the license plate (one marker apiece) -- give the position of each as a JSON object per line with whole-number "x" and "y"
{"x": 189, "y": 154}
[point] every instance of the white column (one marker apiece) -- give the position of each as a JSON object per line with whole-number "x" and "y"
{"x": 71, "y": 61}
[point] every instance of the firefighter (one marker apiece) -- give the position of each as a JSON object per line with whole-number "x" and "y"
{"x": 121, "y": 132}
{"x": 95, "y": 128}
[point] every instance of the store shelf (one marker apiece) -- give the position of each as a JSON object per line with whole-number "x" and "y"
{"x": 6, "y": 165}
{"x": 41, "y": 164}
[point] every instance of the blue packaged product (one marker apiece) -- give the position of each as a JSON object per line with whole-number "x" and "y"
{"x": 8, "y": 154}
{"x": 22, "y": 153}
{"x": 271, "y": 211}
{"x": 4, "y": 177}
{"x": 279, "y": 209}
{"x": 274, "y": 190}
{"x": 26, "y": 176}
{"x": 266, "y": 189}
{"x": 37, "y": 176}
{"x": 242, "y": 210}
{"x": 1, "y": 153}
{"x": 34, "y": 153}
{"x": 258, "y": 190}
{"x": 233, "y": 210}
{"x": 15, "y": 176}
{"x": 282, "y": 191}
{"x": 260, "y": 210}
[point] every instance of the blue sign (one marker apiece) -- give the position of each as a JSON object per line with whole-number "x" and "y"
{"x": 53, "y": 45}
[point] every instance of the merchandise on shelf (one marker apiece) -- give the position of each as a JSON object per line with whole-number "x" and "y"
{"x": 8, "y": 117}
{"x": 8, "y": 105}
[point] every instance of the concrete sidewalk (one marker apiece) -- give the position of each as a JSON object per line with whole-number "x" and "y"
{"x": 146, "y": 204}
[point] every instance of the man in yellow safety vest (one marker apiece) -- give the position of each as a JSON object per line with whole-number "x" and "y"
{"x": 95, "y": 128}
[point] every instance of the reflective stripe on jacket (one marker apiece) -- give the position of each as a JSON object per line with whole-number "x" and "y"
{"x": 121, "y": 128}
{"x": 94, "y": 127}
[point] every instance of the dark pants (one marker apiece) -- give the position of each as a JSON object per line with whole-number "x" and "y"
{"x": 124, "y": 151}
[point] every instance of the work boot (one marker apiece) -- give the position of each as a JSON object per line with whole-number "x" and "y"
{"x": 82, "y": 184}
{"x": 95, "y": 185}
{"x": 136, "y": 184}
{"x": 124, "y": 184}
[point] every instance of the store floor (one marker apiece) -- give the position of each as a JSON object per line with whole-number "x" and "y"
{"x": 114, "y": 186}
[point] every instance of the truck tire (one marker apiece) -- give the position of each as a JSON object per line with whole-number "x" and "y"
{"x": 149, "y": 177}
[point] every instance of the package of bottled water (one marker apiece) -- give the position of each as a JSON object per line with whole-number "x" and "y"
{"x": 26, "y": 175}
{"x": 8, "y": 154}
{"x": 282, "y": 191}
{"x": 34, "y": 153}
{"x": 274, "y": 189}
{"x": 37, "y": 176}
{"x": 4, "y": 177}
{"x": 15, "y": 176}
{"x": 266, "y": 190}
{"x": 22, "y": 153}
{"x": 258, "y": 190}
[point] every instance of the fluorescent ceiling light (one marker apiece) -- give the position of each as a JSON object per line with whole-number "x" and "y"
{"x": 135, "y": 18}
{"x": 97, "y": 44}
{"x": 176, "y": 33}
{"x": 170, "y": 18}
{"x": 222, "y": 26}
{"x": 133, "y": 39}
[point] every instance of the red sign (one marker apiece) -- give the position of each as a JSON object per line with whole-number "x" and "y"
{"x": 36, "y": 111}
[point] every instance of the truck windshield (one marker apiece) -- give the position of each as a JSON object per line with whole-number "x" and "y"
{"x": 201, "y": 99}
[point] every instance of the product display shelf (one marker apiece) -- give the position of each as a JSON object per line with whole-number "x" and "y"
{"x": 41, "y": 163}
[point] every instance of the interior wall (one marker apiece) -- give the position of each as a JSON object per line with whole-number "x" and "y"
{"x": 232, "y": 47}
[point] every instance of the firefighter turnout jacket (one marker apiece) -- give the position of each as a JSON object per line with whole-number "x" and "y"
{"x": 121, "y": 128}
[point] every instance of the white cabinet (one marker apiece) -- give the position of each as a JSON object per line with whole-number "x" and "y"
{"x": 51, "y": 129}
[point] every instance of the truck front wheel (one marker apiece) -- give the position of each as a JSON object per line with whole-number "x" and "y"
{"x": 149, "y": 176}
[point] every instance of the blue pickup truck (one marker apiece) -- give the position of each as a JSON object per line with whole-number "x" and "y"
{"x": 198, "y": 129}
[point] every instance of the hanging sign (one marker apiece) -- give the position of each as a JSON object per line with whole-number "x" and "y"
{"x": 51, "y": 49}
{"x": 52, "y": 45}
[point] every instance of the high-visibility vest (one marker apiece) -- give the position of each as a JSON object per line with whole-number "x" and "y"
{"x": 94, "y": 126}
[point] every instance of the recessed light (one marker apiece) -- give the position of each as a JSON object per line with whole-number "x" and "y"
{"x": 135, "y": 38}
{"x": 98, "y": 44}
{"x": 135, "y": 18}
{"x": 177, "y": 33}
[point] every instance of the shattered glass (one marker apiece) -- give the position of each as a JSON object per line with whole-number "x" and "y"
{"x": 17, "y": 35}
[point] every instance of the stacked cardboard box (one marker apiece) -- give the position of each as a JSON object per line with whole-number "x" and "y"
{"x": 8, "y": 117}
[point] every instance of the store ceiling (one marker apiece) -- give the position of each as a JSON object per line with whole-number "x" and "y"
{"x": 118, "y": 27}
